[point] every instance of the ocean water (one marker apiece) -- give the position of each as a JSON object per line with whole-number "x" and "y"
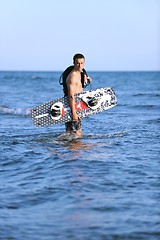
{"x": 103, "y": 186}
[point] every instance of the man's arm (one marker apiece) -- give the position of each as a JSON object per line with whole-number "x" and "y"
{"x": 72, "y": 90}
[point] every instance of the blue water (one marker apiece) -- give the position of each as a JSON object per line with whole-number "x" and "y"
{"x": 104, "y": 186}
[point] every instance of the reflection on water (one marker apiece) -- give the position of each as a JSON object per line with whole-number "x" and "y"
{"x": 69, "y": 147}
{"x": 73, "y": 142}
{"x": 77, "y": 145}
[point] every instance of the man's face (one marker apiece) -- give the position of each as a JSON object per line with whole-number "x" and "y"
{"x": 79, "y": 64}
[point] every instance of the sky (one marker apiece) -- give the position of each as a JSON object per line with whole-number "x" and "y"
{"x": 113, "y": 35}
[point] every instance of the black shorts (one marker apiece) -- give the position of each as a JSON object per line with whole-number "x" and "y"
{"x": 73, "y": 126}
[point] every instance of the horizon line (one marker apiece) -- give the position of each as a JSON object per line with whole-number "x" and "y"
{"x": 87, "y": 70}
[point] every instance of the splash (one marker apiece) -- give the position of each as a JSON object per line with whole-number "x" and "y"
{"x": 105, "y": 135}
{"x": 14, "y": 111}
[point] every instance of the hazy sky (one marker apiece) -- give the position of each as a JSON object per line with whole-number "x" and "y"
{"x": 112, "y": 34}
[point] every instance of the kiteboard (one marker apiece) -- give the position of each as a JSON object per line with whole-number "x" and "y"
{"x": 86, "y": 103}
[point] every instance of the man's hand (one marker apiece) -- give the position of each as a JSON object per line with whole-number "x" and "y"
{"x": 75, "y": 116}
{"x": 89, "y": 79}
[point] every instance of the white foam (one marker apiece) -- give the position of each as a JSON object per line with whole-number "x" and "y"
{"x": 14, "y": 111}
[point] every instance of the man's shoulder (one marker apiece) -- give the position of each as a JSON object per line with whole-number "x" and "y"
{"x": 73, "y": 73}
{"x": 72, "y": 76}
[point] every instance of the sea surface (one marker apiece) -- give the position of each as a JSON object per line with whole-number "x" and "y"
{"x": 105, "y": 186}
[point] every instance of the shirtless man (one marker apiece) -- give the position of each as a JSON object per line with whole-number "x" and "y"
{"x": 74, "y": 86}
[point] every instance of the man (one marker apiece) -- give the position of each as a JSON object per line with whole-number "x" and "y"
{"x": 74, "y": 86}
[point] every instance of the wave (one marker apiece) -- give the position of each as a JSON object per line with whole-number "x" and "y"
{"x": 149, "y": 94}
{"x": 154, "y": 121}
{"x": 37, "y": 77}
{"x": 105, "y": 135}
{"x": 14, "y": 111}
{"x": 146, "y": 106}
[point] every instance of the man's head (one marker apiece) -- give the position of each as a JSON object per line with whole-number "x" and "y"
{"x": 78, "y": 61}
{"x": 78, "y": 55}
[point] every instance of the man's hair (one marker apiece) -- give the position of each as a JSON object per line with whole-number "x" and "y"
{"x": 78, "y": 55}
